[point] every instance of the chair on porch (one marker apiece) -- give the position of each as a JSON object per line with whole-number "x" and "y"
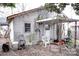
{"x": 45, "y": 40}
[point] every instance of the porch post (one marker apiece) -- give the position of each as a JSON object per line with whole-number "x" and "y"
{"x": 57, "y": 31}
{"x": 59, "y": 35}
{"x": 75, "y": 34}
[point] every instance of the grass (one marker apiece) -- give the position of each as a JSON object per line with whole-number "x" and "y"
{"x": 77, "y": 42}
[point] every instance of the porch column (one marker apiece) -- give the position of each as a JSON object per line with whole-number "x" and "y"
{"x": 57, "y": 31}
{"x": 75, "y": 34}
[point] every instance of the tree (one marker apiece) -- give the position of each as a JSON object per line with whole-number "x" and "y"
{"x": 56, "y": 7}
{"x": 75, "y": 7}
{"x": 7, "y": 4}
{"x": 11, "y": 5}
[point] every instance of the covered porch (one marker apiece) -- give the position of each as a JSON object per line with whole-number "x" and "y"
{"x": 56, "y": 29}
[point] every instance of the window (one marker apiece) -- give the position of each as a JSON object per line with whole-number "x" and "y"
{"x": 27, "y": 27}
{"x": 47, "y": 27}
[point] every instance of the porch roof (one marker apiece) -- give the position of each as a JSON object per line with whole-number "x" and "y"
{"x": 57, "y": 20}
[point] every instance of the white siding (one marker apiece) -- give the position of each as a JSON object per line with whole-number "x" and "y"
{"x": 18, "y": 24}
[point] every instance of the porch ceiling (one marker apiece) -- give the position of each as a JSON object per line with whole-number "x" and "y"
{"x": 51, "y": 20}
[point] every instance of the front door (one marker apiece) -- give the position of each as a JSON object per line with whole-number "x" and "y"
{"x": 46, "y": 34}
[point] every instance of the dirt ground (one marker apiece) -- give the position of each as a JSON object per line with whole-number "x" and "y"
{"x": 38, "y": 50}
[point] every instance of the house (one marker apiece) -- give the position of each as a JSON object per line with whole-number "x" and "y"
{"x": 35, "y": 25}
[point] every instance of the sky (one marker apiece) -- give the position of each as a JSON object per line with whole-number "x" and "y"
{"x": 4, "y": 12}
{"x": 70, "y": 12}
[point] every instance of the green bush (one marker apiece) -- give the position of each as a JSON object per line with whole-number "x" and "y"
{"x": 69, "y": 43}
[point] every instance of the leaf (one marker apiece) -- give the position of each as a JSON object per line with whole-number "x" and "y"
{"x": 75, "y": 7}
{"x": 7, "y": 5}
{"x": 56, "y": 7}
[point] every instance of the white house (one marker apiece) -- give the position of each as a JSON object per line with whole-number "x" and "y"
{"x": 24, "y": 23}
{"x": 35, "y": 25}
